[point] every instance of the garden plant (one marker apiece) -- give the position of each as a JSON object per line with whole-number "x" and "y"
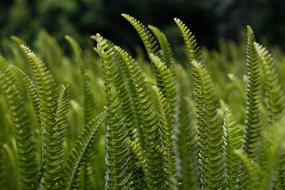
{"x": 105, "y": 120}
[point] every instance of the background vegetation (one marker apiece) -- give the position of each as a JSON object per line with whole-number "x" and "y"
{"x": 211, "y": 19}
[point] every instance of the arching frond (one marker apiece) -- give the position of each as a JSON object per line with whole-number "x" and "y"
{"x": 150, "y": 124}
{"x": 22, "y": 128}
{"x": 192, "y": 49}
{"x": 165, "y": 48}
{"x": 46, "y": 87}
{"x": 118, "y": 153}
{"x": 148, "y": 40}
{"x": 31, "y": 89}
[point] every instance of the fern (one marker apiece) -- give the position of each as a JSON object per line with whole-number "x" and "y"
{"x": 31, "y": 89}
{"x": 22, "y": 127}
{"x": 167, "y": 86}
{"x": 233, "y": 141}
{"x": 46, "y": 88}
{"x": 166, "y": 122}
{"x": 165, "y": 48}
{"x": 211, "y": 134}
{"x": 150, "y": 125}
{"x": 89, "y": 105}
{"x": 187, "y": 136}
{"x": 192, "y": 50}
{"x": 116, "y": 133}
{"x": 148, "y": 40}
{"x": 169, "y": 130}
{"x": 274, "y": 91}
{"x": 253, "y": 116}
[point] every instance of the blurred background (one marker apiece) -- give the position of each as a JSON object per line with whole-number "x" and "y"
{"x": 210, "y": 20}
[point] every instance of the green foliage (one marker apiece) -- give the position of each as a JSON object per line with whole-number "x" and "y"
{"x": 22, "y": 128}
{"x": 175, "y": 128}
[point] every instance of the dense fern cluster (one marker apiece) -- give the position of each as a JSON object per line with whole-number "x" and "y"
{"x": 117, "y": 123}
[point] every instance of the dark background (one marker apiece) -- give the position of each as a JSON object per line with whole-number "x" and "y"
{"x": 210, "y": 20}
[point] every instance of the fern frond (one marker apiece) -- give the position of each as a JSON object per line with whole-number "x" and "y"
{"x": 274, "y": 156}
{"x": 253, "y": 114}
{"x": 168, "y": 104}
{"x": 165, "y": 48}
{"x": 168, "y": 142}
{"x": 135, "y": 147}
{"x": 88, "y": 102}
{"x": 22, "y": 128}
{"x": 18, "y": 40}
{"x": 211, "y": 133}
{"x": 129, "y": 100}
{"x": 31, "y": 89}
{"x": 274, "y": 91}
{"x": 80, "y": 150}
{"x": 192, "y": 49}
{"x": 167, "y": 86}
{"x": 148, "y": 40}
{"x": 47, "y": 89}
{"x": 188, "y": 148}
{"x": 119, "y": 173}
{"x": 150, "y": 124}
{"x": 121, "y": 168}
{"x": 75, "y": 47}
{"x": 233, "y": 141}
{"x": 58, "y": 138}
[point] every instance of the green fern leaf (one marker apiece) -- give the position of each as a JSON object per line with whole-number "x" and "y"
{"x": 150, "y": 124}
{"x": 58, "y": 138}
{"x": 253, "y": 114}
{"x": 233, "y": 141}
{"x": 22, "y": 128}
{"x": 165, "y": 48}
{"x": 192, "y": 49}
{"x": 148, "y": 40}
{"x": 118, "y": 153}
{"x": 168, "y": 142}
{"x": 47, "y": 90}
{"x": 31, "y": 89}
{"x": 187, "y": 136}
{"x": 167, "y": 86}
{"x": 274, "y": 91}
{"x": 211, "y": 133}
{"x": 89, "y": 105}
